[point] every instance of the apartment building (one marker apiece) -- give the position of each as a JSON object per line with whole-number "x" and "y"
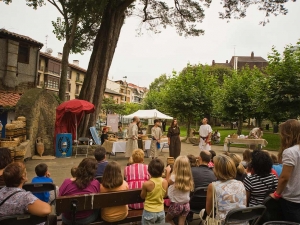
{"x": 49, "y": 72}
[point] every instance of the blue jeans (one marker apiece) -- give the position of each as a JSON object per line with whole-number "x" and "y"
{"x": 291, "y": 210}
{"x": 93, "y": 217}
{"x": 149, "y": 218}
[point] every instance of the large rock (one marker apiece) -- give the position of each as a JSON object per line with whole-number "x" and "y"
{"x": 38, "y": 106}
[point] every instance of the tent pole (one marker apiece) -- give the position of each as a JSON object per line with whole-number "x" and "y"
{"x": 76, "y": 126}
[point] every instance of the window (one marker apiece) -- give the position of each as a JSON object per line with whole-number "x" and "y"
{"x": 53, "y": 83}
{"x": 77, "y": 77}
{"x": 69, "y": 87}
{"x": 23, "y": 55}
{"x": 54, "y": 67}
{"x": 39, "y": 79}
{"x": 68, "y": 74}
{"x": 77, "y": 90}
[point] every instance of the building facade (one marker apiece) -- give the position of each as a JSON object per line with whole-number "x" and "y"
{"x": 49, "y": 73}
{"x": 238, "y": 62}
{"x": 18, "y": 61}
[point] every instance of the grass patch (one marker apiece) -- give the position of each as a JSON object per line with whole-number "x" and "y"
{"x": 272, "y": 139}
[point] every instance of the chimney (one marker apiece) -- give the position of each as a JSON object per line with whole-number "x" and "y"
{"x": 252, "y": 55}
{"x": 76, "y": 62}
{"x": 213, "y": 62}
{"x": 226, "y": 61}
{"x": 59, "y": 55}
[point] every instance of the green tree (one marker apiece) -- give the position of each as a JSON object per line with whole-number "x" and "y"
{"x": 155, "y": 95}
{"x": 109, "y": 106}
{"x": 259, "y": 96}
{"x": 284, "y": 83}
{"x": 234, "y": 99}
{"x": 131, "y": 108}
{"x": 188, "y": 95}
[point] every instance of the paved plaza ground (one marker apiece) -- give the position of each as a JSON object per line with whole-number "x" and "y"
{"x": 60, "y": 167}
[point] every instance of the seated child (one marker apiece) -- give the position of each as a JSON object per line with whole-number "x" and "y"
{"x": 153, "y": 191}
{"x": 73, "y": 173}
{"x": 100, "y": 156}
{"x": 113, "y": 181}
{"x": 211, "y": 163}
{"x": 43, "y": 176}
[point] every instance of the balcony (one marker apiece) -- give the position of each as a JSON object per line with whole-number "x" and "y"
{"x": 79, "y": 81}
{"x": 41, "y": 68}
{"x": 40, "y": 84}
{"x": 52, "y": 73}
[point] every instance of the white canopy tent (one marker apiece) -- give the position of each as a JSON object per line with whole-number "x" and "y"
{"x": 148, "y": 114}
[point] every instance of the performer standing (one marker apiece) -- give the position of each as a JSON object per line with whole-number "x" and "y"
{"x": 174, "y": 139}
{"x": 132, "y": 134}
{"x": 204, "y": 135}
{"x": 156, "y": 136}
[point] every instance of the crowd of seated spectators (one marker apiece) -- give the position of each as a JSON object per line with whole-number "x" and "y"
{"x": 238, "y": 183}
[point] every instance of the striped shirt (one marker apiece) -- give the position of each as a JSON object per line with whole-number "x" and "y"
{"x": 259, "y": 187}
{"x": 135, "y": 175}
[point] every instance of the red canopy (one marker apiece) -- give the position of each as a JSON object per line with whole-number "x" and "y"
{"x": 69, "y": 115}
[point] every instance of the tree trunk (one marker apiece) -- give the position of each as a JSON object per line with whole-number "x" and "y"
{"x": 65, "y": 61}
{"x": 64, "y": 70}
{"x": 240, "y": 125}
{"x": 103, "y": 51}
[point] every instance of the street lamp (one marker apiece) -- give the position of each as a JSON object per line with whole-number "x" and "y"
{"x": 126, "y": 85}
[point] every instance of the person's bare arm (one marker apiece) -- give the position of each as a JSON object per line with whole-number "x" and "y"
{"x": 209, "y": 198}
{"x": 283, "y": 179}
{"x": 208, "y": 138}
{"x": 39, "y": 208}
{"x": 168, "y": 175}
{"x": 165, "y": 186}
{"x": 248, "y": 193}
{"x": 144, "y": 190}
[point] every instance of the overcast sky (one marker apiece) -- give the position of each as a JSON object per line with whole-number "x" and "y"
{"x": 144, "y": 58}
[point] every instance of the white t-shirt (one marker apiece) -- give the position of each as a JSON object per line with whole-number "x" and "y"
{"x": 204, "y": 130}
{"x": 291, "y": 157}
{"x": 176, "y": 195}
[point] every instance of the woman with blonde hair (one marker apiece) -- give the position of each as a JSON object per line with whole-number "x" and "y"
{"x": 288, "y": 191}
{"x": 113, "y": 181}
{"x": 240, "y": 170}
{"x": 136, "y": 174}
{"x": 181, "y": 184}
{"x": 229, "y": 192}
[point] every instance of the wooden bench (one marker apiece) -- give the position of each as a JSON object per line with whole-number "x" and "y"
{"x": 101, "y": 200}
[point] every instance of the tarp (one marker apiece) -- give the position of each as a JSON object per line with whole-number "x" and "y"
{"x": 69, "y": 115}
{"x": 148, "y": 114}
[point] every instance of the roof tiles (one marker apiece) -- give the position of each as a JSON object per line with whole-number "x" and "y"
{"x": 9, "y": 99}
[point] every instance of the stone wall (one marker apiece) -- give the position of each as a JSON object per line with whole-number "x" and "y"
{"x": 39, "y": 108}
{"x": 16, "y": 76}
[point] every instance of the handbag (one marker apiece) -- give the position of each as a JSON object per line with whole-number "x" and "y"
{"x": 210, "y": 219}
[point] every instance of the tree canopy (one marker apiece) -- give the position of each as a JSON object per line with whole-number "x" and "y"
{"x": 284, "y": 83}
